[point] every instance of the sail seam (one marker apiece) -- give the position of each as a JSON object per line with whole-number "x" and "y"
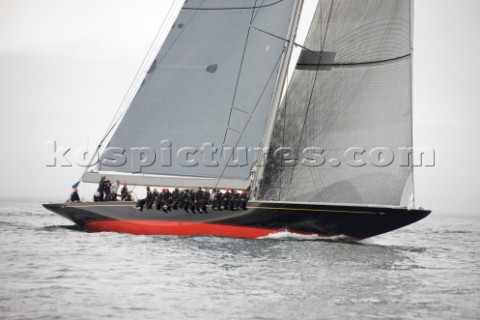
{"x": 283, "y": 39}
{"x": 238, "y": 77}
{"x": 270, "y": 34}
{"x": 243, "y": 57}
{"x": 256, "y": 14}
{"x": 326, "y": 27}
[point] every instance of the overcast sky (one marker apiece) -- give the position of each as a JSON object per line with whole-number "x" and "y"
{"x": 65, "y": 66}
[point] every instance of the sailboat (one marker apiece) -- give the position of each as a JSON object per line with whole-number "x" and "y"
{"x": 317, "y": 126}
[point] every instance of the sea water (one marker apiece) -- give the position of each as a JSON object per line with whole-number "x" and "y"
{"x": 51, "y": 270}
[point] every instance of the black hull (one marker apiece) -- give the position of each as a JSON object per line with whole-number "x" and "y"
{"x": 261, "y": 219}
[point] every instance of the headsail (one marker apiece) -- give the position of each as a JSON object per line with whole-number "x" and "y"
{"x": 211, "y": 84}
{"x": 351, "y": 88}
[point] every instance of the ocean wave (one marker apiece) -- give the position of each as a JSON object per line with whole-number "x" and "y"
{"x": 286, "y": 235}
{"x": 72, "y": 227}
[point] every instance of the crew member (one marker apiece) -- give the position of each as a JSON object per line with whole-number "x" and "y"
{"x": 191, "y": 200}
{"x": 182, "y": 199}
{"x": 243, "y": 200}
{"x": 175, "y": 198}
{"x": 186, "y": 200}
{"x": 155, "y": 195}
{"x": 106, "y": 189}
{"x": 167, "y": 198}
{"x": 205, "y": 200}
{"x": 199, "y": 200}
{"x": 217, "y": 199}
{"x": 124, "y": 192}
{"x": 234, "y": 200}
{"x": 127, "y": 196}
{"x": 101, "y": 188}
{"x": 74, "y": 196}
{"x": 149, "y": 199}
{"x": 115, "y": 188}
{"x": 226, "y": 199}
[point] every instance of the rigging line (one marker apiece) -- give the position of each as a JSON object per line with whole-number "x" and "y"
{"x": 235, "y": 8}
{"x": 115, "y": 120}
{"x": 250, "y": 117}
{"x": 253, "y": 12}
{"x": 180, "y": 33}
{"x": 141, "y": 65}
{"x": 243, "y": 58}
{"x": 270, "y": 34}
{"x": 321, "y": 16}
{"x": 284, "y": 39}
{"x": 276, "y": 102}
{"x": 296, "y": 44}
{"x": 305, "y": 119}
{"x": 313, "y": 89}
{"x": 238, "y": 77}
{"x": 256, "y": 14}
{"x": 283, "y": 134}
{"x": 226, "y": 131}
{"x": 411, "y": 29}
{"x": 326, "y": 27}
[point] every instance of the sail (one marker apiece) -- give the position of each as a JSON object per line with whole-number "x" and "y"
{"x": 202, "y": 108}
{"x": 350, "y": 91}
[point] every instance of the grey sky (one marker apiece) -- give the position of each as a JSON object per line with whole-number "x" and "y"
{"x": 66, "y": 65}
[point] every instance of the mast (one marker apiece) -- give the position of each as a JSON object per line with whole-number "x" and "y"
{"x": 277, "y": 99}
{"x": 412, "y": 16}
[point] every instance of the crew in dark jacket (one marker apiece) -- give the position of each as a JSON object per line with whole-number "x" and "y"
{"x": 242, "y": 205}
{"x": 199, "y": 200}
{"x": 234, "y": 200}
{"x": 159, "y": 201}
{"x": 226, "y": 199}
{"x": 182, "y": 200}
{"x": 149, "y": 199}
{"x": 155, "y": 195}
{"x": 191, "y": 200}
{"x": 124, "y": 192}
{"x": 127, "y": 196}
{"x": 101, "y": 188}
{"x": 167, "y": 199}
{"x": 175, "y": 198}
{"x": 205, "y": 200}
{"x": 217, "y": 199}
{"x": 74, "y": 196}
{"x": 106, "y": 190}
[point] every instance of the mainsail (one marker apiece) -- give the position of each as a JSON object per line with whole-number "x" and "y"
{"x": 351, "y": 89}
{"x": 210, "y": 86}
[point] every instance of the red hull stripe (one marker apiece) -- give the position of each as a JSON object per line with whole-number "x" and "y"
{"x": 177, "y": 228}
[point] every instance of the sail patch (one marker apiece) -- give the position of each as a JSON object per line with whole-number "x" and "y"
{"x": 212, "y": 68}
